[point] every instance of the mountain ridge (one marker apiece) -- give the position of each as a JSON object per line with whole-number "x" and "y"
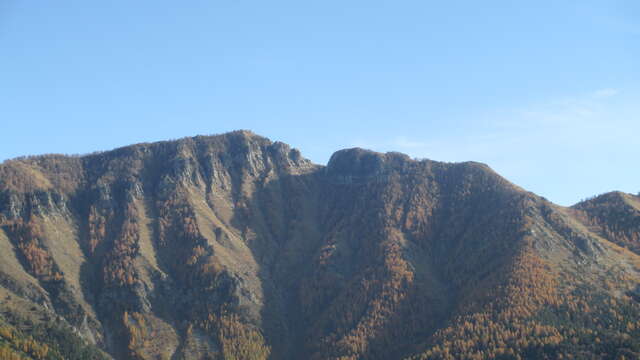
{"x": 236, "y": 247}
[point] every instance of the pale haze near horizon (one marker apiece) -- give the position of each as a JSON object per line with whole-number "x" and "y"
{"x": 547, "y": 94}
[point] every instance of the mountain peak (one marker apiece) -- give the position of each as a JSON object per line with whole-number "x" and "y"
{"x": 362, "y": 163}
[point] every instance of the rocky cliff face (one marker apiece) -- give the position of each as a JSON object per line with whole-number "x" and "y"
{"x": 236, "y": 247}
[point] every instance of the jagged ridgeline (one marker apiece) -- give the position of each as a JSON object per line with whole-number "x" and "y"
{"x": 236, "y": 247}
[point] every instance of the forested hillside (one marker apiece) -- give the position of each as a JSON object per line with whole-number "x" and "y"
{"x": 236, "y": 247}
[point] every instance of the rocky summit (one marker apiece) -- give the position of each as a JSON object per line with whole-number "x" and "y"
{"x": 236, "y": 247}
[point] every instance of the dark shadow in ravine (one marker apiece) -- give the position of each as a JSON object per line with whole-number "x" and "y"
{"x": 284, "y": 214}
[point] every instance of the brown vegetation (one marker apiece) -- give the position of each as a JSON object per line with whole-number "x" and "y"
{"x": 245, "y": 250}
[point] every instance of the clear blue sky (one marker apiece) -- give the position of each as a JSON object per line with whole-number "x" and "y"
{"x": 545, "y": 92}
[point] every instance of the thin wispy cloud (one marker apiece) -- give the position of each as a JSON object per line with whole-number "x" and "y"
{"x": 570, "y": 121}
{"x": 604, "y": 93}
{"x": 569, "y": 114}
{"x": 577, "y": 119}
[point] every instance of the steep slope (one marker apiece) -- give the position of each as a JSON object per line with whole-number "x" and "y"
{"x": 236, "y": 247}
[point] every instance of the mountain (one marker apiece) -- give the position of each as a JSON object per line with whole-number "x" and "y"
{"x": 236, "y": 247}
